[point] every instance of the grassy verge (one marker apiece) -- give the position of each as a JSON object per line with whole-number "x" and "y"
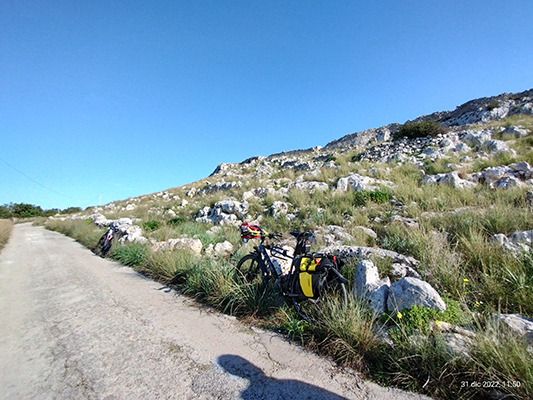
{"x": 6, "y": 226}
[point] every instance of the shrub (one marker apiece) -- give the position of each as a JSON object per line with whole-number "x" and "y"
{"x": 151, "y": 226}
{"x": 362, "y": 197}
{"x": 493, "y": 105}
{"x": 176, "y": 221}
{"x": 418, "y": 129}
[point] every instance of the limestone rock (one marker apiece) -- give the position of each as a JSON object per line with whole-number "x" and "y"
{"x": 223, "y": 249}
{"x": 358, "y": 182}
{"x": 520, "y": 325}
{"x": 364, "y": 253}
{"x": 369, "y": 288}
{"x": 225, "y": 212}
{"x": 408, "y": 292}
{"x": 401, "y": 270}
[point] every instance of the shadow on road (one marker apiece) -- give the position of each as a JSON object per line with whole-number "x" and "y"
{"x": 263, "y": 387}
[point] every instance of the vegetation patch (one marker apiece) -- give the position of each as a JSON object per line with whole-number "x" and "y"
{"x": 413, "y": 130}
{"x": 6, "y": 227}
{"x": 151, "y": 226}
{"x": 363, "y": 197}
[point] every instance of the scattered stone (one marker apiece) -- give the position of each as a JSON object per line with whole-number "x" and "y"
{"x": 496, "y": 147}
{"x": 408, "y": 292}
{"x": 366, "y": 231}
{"x": 169, "y": 213}
{"x": 279, "y": 208}
{"x": 223, "y": 249}
{"x": 451, "y": 178}
{"x": 358, "y": 182}
{"x": 365, "y": 253}
{"x": 401, "y": 270}
{"x": 407, "y": 222}
{"x": 516, "y": 132}
{"x": 193, "y": 245}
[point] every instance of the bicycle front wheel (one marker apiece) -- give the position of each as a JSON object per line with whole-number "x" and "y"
{"x": 248, "y": 270}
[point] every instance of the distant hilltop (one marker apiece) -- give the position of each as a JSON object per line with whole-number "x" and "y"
{"x": 476, "y": 111}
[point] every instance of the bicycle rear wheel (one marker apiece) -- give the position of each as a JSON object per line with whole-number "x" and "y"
{"x": 248, "y": 270}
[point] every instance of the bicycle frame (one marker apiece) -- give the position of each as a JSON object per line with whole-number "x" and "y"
{"x": 109, "y": 236}
{"x": 267, "y": 265}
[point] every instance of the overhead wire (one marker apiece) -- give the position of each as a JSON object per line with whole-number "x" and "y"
{"x": 34, "y": 181}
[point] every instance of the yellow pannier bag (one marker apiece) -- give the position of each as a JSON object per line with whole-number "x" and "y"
{"x": 306, "y": 284}
{"x": 311, "y": 264}
{"x": 309, "y": 275}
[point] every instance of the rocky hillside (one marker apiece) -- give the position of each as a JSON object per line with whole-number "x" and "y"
{"x": 436, "y": 212}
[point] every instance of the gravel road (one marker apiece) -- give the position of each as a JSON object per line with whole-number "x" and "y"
{"x": 75, "y": 326}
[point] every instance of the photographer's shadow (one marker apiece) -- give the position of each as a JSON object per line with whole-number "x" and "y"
{"x": 264, "y": 387}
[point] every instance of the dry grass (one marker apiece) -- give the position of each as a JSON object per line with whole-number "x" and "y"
{"x": 6, "y": 227}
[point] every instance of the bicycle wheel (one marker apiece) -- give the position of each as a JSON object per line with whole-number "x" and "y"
{"x": 98, "y": 248}
{"x": 249, "y": 270}
{"x": 106, "y": 248}
{"x": 334, "y": 296}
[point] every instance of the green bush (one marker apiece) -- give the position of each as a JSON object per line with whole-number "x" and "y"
{"x": 151, "y": 226}
{"x": 418, "y": 129}
{"x": 176, "y": 221}
{"x": 363, "y": 197}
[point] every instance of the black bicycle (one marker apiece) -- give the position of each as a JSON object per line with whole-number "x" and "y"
{"x": 105, "y": 243}
{"x": 312, "y": 278}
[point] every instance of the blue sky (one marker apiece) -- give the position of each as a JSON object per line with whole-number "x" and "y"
{"x": 123, "y": 98}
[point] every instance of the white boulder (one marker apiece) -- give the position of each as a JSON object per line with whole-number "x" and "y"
{"x": 408, "y": 292}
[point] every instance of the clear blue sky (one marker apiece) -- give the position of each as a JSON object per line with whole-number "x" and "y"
{"x": 125, "y": 98}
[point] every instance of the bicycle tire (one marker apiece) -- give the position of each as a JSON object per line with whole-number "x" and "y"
{"x": 333, "y": 290}
{"x": 98, "y": 248}
{"x": 248, "y": 271}
{"x": 106, "y": 249}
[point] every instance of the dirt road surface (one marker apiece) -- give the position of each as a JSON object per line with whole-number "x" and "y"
{"x": 75, "y": 326}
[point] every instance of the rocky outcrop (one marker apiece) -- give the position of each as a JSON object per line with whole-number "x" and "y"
{"x": 219, "y": 187}
{"x": 225, "y": 212}
{"x": 502, "y": 177}
{"x": 364, "y": 253}
{"x": 364, "y": 138}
